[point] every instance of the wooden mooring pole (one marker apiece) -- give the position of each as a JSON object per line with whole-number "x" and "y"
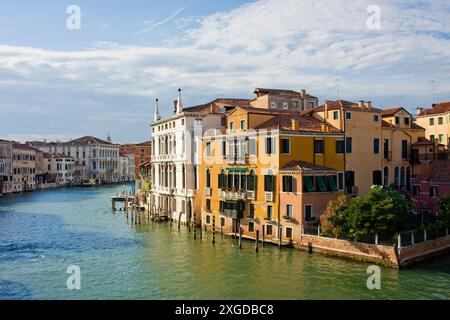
{"x": 256, "y": 240}
{"x": 214, "y": 229}
{"x": 195, "y": 228}
{"x": 240, "y": 238}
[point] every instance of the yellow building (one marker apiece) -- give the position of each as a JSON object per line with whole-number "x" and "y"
{"x": 436, "y": 122}
{"x": 258, "y": 174}
{"x": 377, "y": 143}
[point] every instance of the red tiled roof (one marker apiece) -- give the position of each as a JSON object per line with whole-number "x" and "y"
{"x": 218, "y": 105}
{"x": 437, "y": 108}
{"x": 21, "y": 146}
{"x": 283, "y": 122}
{"x": 391, "y": 111}
{"x": 86, "y": 140}
{"x": 284, "y": 92}
{"x": 439, "y": 171}
{"x": 423, "y": 142}
{"x": 338, "y": 104}
{"x": 304, "y": 166}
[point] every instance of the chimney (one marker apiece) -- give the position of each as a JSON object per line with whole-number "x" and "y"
{"x": 302, "y": 93}
{"x": 157, "y": 115}
{"x": 369, "y": 104}
{"x": 179, "y": 103}
{"x": 418, "y": 111}
{"x": 295, "y": 124}
{"x": 361, "y": 104}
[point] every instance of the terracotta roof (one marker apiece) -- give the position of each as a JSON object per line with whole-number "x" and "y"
{"x": 283, "y": 92}
{"x": 305, "y": 167}
{"x": 268, "y": 111}
{"x": 22, "y": 146}
{"x": 41, "y": 143}
{"x": 1, "y": 140}
{"x": 307, "y": 123}
{"x": 437, "y": 108}
{"x": 338, "y": 104}
{"x": 218, "y": 105}
{"x": 414, "y": 125}
{"x": 86, "y": 140}
{"x": 423, "y": 142}
{"x": 391, "y": 111}
{"x": 145, "y": 144}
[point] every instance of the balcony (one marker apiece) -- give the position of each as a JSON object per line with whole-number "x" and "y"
{"x": 351, "y": 191}
{"x": 233, "y": 195}
{"x": 208, "y": 192}
{"x": 388, "y": 155}
{"x": 251, "y": 195}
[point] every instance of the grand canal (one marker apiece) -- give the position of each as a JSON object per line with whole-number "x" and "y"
{"x": 42, "y": 233}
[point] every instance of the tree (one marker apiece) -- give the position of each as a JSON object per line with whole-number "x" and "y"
{"x": 442, "y": 220}
{"x": 382, "y": 211}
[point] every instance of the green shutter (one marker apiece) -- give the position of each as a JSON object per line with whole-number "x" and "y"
{"x": 308, "y": 184}
{"x": 321, "y": 184}
{"x": 332, "y": 183}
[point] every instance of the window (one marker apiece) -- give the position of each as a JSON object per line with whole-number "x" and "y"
{"x": 377, "y": 181}
{"x": 208, "y": 219}
{"x": 440, "y": 121}
{"x": 431, "y": 121}
{"x": 289, "y": 211}
{"x": 308, "y": 185}
{"x": 224, "y": 148}
{"x": 222, "y": 222}
{"x": 416, "y": 191}
{"x": 407, "y": 121}
{"x": 295, "y": 104}
{"x": 208, "y": 205}
{"x": 404, "y": 149}
{"x": 376, "y": 146}
{"x": 251, "y": 181}
{"x": 208, "y": 178}
{"x": 269, "y": 230}
{"x": 433, "y": 192}
{"x": 288, "y": 232}
{"x": 286, "y": 146}
{"x": 348, "y": 116}
{"x": 397, "y": 120}
{"x": 318, "y": 146}
{"x": 208, "y": 149}
{"x": 336, "y": 115}
{"x": 376, "y": 118}
{"x": 441, "y": 138}
{"x": 269, "y": 183}
{"x": 285, "y": 105}
{"x": 270, "y": 145}
{"x": 308, "y": 212}
{"x": 432, "y": 137}
{"x": 340, "y": 181}
{"x": 242, "y": 124}
{"x": 231, "y": 126}
{"x": 269, "y": 213}
{"x": 348, "y": 145}
{"x": 340, "y": 146}
{"x": 321, "y": 184}
{"x": 288, "y": 184}
{"x": 251, "y": 226}
{"x": 251, "y": 211}
{"x": 273, "y": 105}
{"x": 252, "y": 147}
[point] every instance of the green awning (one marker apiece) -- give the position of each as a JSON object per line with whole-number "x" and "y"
{"x": 237, "y": 169}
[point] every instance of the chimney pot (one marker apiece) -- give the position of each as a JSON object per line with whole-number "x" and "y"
{"x": 369, "y": 104}
{"x": 295, "y": 124}
{"x": 361, "y": 104}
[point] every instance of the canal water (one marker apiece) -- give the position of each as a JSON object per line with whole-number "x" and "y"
{"x": 45, "y": 232}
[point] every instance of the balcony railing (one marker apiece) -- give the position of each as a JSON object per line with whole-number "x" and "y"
{"x": 351, "y": 191}
{"x": 387, "y": 155}
{"x": 269, "y": 196}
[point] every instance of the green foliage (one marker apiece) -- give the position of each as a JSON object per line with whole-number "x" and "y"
{"x": 382, "y": 211}
{"x": 442, "y": 220}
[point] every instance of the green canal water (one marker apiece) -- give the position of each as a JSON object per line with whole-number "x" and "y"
{"x": 43, "y": 233}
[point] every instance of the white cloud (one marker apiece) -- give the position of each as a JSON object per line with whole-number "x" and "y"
{"x": 288, "y": 44}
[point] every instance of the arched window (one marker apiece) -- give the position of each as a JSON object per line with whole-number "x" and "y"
{"x": 269, "y": 182}
{"x": 386, "y": 176}
{"x": 396, "y": 174}
{"x": 251, "y": 183}
{"x": 408, "y": 178}
{"x": 402, "y": 177}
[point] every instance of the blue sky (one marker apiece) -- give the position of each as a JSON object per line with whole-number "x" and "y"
{"x": 60, "y": 84}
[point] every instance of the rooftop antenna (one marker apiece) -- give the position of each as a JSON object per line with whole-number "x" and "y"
{"x": 433, "y": 86}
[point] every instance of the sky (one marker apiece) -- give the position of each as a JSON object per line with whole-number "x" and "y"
{"x": 58, "y": 83}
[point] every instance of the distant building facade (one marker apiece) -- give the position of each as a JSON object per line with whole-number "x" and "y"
{"x": 60, "y": 168}
{"x": 24, "y": 168}
{"x": 436, "y": 122}
{"x": 6, "y": 167}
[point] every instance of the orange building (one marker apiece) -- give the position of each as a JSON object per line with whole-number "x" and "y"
{"x": 142, "y": 153}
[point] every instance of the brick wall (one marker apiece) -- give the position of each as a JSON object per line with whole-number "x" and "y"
{"x": 420, "y": 251}
{"x": 384, "y": 255}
